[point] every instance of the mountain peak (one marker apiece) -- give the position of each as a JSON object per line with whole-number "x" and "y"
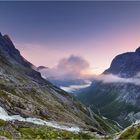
{"x": 7, "y": 37}
{"x": 126, "y": 64}
{"x": 138, "y": 50}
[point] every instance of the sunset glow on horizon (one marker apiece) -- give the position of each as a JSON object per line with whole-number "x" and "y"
{"x": 46, "y": 32}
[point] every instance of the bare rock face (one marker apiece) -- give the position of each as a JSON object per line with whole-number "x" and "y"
{"x": 41, "y": 67}
{"x": 3, "y": 138}
{"x": 126, "y": 65}
{"x": 138, "y": 50}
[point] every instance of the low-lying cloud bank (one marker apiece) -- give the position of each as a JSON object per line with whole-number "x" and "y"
{"x": 67, "y": 68}
{"x": 74, "y": 88}
{"x": 110, "y": 78}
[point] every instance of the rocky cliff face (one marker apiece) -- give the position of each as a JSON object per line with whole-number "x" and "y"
{"x": 24, "y": 92}
{"x": 119, "y": 101}
{"x": 125, "y": 65}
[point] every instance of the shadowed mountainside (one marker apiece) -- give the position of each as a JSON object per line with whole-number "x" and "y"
{"x": 117, "y": 100}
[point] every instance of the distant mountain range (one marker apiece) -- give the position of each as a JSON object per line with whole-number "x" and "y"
{"x": 115, "y": 94}
{"x": 26, "y": 99}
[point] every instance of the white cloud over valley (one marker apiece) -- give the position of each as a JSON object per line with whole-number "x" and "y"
{"x": 110, "y": 78}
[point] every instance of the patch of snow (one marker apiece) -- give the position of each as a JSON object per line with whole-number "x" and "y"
{"x": 137, "y": 122}
{"x": 104, "y": 118}
{"x": 4, "y": 116}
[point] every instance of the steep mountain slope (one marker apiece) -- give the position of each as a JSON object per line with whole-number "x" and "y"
{"x": 117, "y": 100}
{"x": 25, "y": 93}
{"x": 126, "y": 65}
{"x": 132, "y": 132}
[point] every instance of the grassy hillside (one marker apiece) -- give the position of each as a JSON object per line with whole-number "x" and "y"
{"x": 132, "y": 133}
{"x": 20, "y": 130}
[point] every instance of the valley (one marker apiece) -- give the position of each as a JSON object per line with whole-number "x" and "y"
{"x": 115, "y": 94}
{"x": 70, "y": 70}
{"x": 31, "y": 101}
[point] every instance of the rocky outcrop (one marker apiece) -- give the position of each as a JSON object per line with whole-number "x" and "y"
{"x": 41, "y": 67}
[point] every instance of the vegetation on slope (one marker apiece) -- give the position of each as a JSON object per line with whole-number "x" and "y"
{"x": 108, "y": 100}
{"x": 20, "y": 130}
{"x": 132, "y": 133}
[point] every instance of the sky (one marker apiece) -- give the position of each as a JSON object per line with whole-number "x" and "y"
{"x": 48, "y": 32}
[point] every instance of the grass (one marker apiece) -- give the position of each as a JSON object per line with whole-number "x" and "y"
{"x": 107, "y": 125}
{"x": 132, "y": 133}
{"x": 102, "y": 100}
{"x": 2, "y": 123}
{"x": 46, "y": 133}
{"x": 7, "y": 134}
{"x": 30, "y": 131}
